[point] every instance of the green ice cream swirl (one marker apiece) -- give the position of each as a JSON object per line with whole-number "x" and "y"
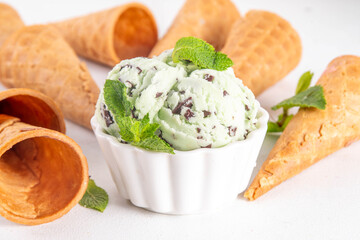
{"x": 195, "y": 108}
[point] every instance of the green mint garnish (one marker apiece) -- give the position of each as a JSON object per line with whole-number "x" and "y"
{"x": 311, "y": 97}
{"x": 95, "y": 197}
{"x": 140, "y": 133}
{"x": 200, "y": 53}
{"x": 305, "y": 98}
{"x": 304, "y": 82}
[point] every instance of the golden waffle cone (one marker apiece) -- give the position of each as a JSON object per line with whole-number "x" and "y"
{"x": 264, "y": 48}
{"x": 210, "y": 20}
{"x": 109, "y": 36}
{"x": 32, "y": 107}
{"x": 10, "y": 22}
{"x": 313, "y": 134}
{"x": 37, "y": 57}
{"x": 43, "y": 173}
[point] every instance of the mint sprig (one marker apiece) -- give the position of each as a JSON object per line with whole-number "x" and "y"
{"x": 311, "y": 97}
{"x": 200, "y": 53}
{"x": 140, "y": 133}
{"x": 305, "y": 98}
{"x": 95, "y": 197}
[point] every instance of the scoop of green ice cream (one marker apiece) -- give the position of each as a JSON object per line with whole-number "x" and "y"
{"x": 194, "y": 107}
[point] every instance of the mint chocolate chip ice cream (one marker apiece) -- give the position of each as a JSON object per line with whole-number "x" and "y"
{"x": 195, "y": 108}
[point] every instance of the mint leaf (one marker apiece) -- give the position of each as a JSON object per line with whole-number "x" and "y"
{"x": 304, "y": 82}
{"x": 274, "y": 127}
{"x": 115, "y": 98}
{"x": 305, "y": 97}
{"x": 280, "y": 125}
{"x": 140, "y": 133}
{"x": 200, "y": 53}
{"x": 156, "y": 144}
{"x": 312, "y": 97}
{"x": 95, "y": 197}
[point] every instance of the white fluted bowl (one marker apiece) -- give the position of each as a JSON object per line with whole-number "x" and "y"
{"x": 188, "y": 182}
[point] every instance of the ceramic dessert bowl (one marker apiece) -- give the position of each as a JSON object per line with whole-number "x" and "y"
{"x": 187, "y": 182}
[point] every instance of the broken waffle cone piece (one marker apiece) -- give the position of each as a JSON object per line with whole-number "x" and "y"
{"x": 37, "y": 57}
{"x": 10, "y": 22}
{"x": 313, "y": 134}
{"x": 210, "y": 20}
{"x": 112, "y": 35}
{"x": 264, "y": 48}
{"x": 43, "y": 173}
{"x": 32, "y": 107}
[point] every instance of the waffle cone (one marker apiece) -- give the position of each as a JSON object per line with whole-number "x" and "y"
{"x": 210, "y": 20}
{"x": 32, "y": 107}
{"x": 264, "y": 48}
{"x": 313, "y": 134}
{"x": 109, "y": 36}
{"x": 43, "y": 173}
{"x": 10, "y": 22}
{"x": 37, "y": 57}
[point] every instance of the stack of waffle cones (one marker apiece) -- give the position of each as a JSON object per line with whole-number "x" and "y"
{"x": 43, "y": 173}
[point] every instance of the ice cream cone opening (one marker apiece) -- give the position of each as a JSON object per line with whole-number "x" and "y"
{"x": 135, "y": 33}
{"x": 42, "y": 175}
{"x": 32, "y": 107}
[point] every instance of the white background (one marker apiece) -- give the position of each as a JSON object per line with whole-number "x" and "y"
{"x": 323, "y": 202}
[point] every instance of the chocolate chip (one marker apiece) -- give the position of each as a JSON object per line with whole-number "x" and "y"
{"x": 186, "y": 102}
{"x": 225, "y": 93}
{"x": 213, "y": 127}
{"x": 105, "y": 114}
{"x": 188, "y": 114}
{"x": 206, "y": 113}
{"x": 198, "y": 130}
{"x": 247, "y": 108}
{"x": 133, "y": 113}
{"x": 209, "y": 77}
{"x": 124, "y": 142}
{"x": 246, "y": 134}
{"x": 158, "y": 94}
{"x": 155, "y": 67}
{"x": 139, "y": 69}
{"x": 132, "y": 87}
{"x": 199, "y": 137}
{"x": 131, "y": 84}
{"x": 182, "y": 92}
{"x": 127, "y": 65}
{"x": 232, "y": 131}
{"x": 208, "y": 146}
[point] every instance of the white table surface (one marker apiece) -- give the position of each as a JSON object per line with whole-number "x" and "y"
{"x": 323, "y": 202}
